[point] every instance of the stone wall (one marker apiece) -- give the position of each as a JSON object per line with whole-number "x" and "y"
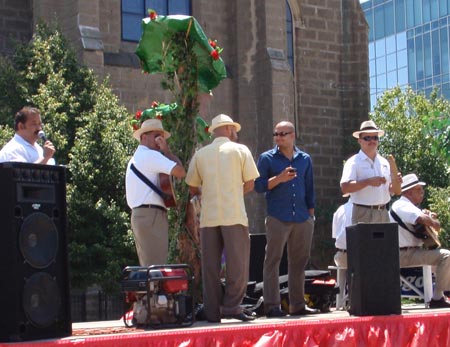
{"x": 16, "y": 23}
{"x": 326, "y": 96}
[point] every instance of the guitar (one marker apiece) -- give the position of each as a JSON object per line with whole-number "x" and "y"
{"x": 166, "y": 186}
{"x": 432, "y": 240}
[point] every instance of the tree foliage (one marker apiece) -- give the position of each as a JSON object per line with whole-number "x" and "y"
{"x": 417, "y": 134}
{"x": 90, "y": 131}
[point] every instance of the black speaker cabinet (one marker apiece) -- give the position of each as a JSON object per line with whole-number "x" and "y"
{"x": 373, "y": 272}
{"x": 257, "y": 254}
{"x": 34, "y": 291}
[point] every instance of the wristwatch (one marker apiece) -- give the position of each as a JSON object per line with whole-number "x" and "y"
{"x": 313, "y": 217}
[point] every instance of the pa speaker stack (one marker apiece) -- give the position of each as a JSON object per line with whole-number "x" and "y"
{"x": 373, "y": 272}
{"x": 34, "y": 293}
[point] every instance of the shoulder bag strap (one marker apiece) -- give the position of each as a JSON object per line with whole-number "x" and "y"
{"x": 148, "y": 182}
{"x": 402, "y": 224}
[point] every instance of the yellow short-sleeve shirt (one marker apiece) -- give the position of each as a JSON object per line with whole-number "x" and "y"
{"x": 220, "y": 169}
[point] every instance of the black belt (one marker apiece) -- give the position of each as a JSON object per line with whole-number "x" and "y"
{"x": 341, "y": 250}
{"x": 152, "y": 206}
{"x": 373, "y": 207}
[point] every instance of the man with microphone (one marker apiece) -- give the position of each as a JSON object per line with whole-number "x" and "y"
{"x": 23, "y": 147}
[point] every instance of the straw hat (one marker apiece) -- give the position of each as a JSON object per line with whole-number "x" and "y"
{"x": 368, "y": 127}
{"x": 222, "y": 120}
{"x": 150, "y": 125}
{"x": 410, "y": 181}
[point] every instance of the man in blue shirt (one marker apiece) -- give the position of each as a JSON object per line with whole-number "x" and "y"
{"x": 286, "y": 178}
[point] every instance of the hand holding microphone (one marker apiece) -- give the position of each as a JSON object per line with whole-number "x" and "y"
{"x": 49, "y": 148}
{"x": 42, "y": 136}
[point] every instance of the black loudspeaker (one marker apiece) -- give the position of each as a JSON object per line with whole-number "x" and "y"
{"x": 373, "y": 272}
{"x": 34, "y": 291}
{"x": 257, "y": 254}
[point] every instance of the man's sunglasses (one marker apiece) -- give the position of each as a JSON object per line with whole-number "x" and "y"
{"x": 282, "y": 134}
{"x": 369, "y": 138}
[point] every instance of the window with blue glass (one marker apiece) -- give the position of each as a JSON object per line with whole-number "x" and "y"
{"x": 409, "y": 44}
{"x": 134, "y": 10}
{"x": 400, "y": 15}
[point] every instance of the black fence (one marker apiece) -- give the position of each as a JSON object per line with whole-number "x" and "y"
{"x": 95, "y": 305}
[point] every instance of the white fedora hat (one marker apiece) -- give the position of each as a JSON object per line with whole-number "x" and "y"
{"x": 369, "y": 127}
{"x": 150, "y": 125}
{"x": 410, "y": 181}
{"x": 222, "y": 120}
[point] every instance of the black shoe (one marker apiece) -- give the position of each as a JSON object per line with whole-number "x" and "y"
{"x": 304, "y": 311}
{"x": 441, "y": 303}
{"x": 241, "y": 316}
{"x": 275, "y": 312}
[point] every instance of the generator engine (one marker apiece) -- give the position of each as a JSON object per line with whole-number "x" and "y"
{"x": 159, "y": 295}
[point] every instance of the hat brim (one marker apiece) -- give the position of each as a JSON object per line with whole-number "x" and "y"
{"x": 137, "y": 134}
{"x": 413, "y": 185}
{"x": 213, "y": 127}
{"x": 372, "y": 131}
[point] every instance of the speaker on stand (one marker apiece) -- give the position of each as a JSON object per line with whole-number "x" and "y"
{"x": 373, "y": 272}
{"x": 34, "y": 294}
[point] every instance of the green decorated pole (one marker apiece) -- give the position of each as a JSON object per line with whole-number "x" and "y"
{"x": 177, "y": 47}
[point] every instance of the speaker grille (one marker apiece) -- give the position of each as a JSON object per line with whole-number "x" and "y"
{"x": 38, "y": 240}
{"x": 34, "y": 291}
{"x": 41, "y": 300}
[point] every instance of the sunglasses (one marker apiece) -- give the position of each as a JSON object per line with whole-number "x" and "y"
{"x": 369, "y": 138}
{"x": 282, "y": 134}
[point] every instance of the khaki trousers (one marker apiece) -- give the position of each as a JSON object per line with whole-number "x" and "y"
{"x": 297, "y": 237}
{"x": 150, "y": 228}
{"x": 362, "y": 214}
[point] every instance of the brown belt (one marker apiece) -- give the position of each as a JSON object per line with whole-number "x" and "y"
{"x": 341, "y": 250}
{"x": 373, "y": 207}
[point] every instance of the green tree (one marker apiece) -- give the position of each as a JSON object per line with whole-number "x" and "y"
{"x": 417, "y": 133}
{"x": 97, "y": 208}
{"x": 404, "y": 115}
{"x": 93, "y": 139}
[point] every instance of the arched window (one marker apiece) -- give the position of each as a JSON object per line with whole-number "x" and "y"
{"x": 133, "y": 11}
{"x": 289, "y": 36}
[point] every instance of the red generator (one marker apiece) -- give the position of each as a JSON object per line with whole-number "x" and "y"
{"x": 159, "y": 296}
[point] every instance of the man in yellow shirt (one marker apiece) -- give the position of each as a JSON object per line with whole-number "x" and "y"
{"x": 221, "y": 173}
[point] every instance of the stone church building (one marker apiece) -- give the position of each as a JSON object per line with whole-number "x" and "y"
{"x": 300, "y": 60}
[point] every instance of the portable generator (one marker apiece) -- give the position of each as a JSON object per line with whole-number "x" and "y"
{"x": 159, "y": 296}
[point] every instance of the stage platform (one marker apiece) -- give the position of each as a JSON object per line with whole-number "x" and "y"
{"x": 415, "y": 327}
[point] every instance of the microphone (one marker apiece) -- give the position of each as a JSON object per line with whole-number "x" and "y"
{"x": 42, "y": 136}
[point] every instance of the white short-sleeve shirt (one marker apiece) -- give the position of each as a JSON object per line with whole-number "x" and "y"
{"x": 150, "y": 163}
{"x": 360, "y": 167}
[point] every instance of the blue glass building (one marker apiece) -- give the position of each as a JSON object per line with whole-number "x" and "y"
{"x": 408, "y": 45}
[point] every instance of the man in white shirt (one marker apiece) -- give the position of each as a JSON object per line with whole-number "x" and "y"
{"x": 412, "y": 253}
{"x": 342, "y": 218}
{"x": 366, "y": 177}
{"x": 148, "y": 213}
{"x": 23, "y": 147}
